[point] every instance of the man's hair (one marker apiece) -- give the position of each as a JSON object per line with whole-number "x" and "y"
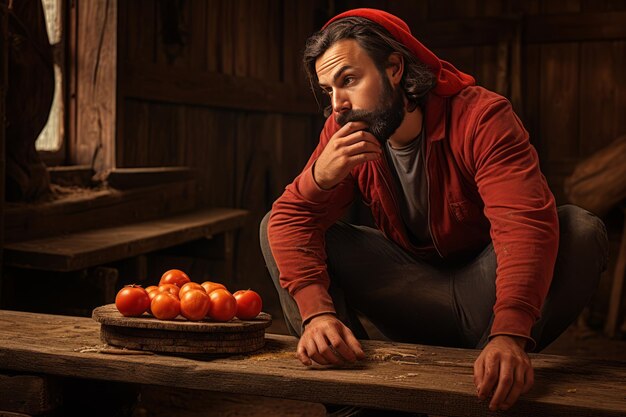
{"x": 417, "y": 79}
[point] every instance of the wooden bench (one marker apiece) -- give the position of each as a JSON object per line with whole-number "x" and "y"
{"x": 394, "y": 376}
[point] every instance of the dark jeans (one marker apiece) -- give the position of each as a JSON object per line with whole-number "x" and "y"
{"x": 411, "y": 301}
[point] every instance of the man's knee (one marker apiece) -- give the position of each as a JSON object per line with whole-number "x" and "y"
{"x": 583, "y": 234}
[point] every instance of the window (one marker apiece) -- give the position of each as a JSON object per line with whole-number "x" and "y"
{"x": 51, "y": 139}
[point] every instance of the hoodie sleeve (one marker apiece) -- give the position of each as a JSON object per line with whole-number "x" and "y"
{"x": 523, "y": 216}
{"x": 296, "y": 232}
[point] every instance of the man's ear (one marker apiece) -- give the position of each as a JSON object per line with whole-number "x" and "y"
{"x": 395, "y": 68}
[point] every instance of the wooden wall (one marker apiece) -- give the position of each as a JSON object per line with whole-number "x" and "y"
{"x": 217, "y": 85}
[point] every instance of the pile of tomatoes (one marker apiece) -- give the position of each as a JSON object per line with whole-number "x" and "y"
{"x": 177, "y": 295}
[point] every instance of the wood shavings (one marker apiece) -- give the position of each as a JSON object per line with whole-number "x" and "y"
{"x": 109, "y": 350}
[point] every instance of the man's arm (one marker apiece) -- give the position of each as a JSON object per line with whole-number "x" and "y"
{"x": 524, "y": 231}
{"x": 300, "y": 217}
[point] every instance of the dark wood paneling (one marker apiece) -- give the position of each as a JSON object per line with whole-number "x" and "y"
{"x": 166, "y": 84}
{"x": 575, "y": 27}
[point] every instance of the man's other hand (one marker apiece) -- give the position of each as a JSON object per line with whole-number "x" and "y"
{"x": 347, "y": 148}
{"x": 503, "y": 369}
{"x": 326, "y": 340}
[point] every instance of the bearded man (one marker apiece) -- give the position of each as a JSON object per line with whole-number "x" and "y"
{"x": 470, "y": 249}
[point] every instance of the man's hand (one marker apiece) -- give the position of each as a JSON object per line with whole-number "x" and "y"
{"x": 326, "y": 340}
{"x": 503, "y": 368}
{"x": 347, "y": 148}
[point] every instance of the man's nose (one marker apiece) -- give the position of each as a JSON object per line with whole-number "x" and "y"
{"x": 341, "y": 104}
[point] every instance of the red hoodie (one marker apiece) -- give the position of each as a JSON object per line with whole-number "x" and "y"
{"x": 484, "y": 185}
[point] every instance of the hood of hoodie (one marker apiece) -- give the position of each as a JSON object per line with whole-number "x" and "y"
{"x": 449, "y": 79}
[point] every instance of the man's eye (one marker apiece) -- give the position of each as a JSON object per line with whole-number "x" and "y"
{"x": 348, "y": 80}
{"x": 327, "y": 92}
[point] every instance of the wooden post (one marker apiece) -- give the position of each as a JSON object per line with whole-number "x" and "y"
{"x": 4, "y": 23}
{"x": 96, "y": 77}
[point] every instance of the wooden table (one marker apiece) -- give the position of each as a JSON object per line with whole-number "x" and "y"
{"x": 394, "y": 376}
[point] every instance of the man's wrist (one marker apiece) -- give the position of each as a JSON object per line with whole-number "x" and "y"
{"x": 519, "y": 340}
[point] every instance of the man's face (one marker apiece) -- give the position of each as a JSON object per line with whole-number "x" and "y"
{"x": 358, "y": 90}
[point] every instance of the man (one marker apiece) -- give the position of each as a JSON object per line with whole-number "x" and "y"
{"x": 466, "y": 252}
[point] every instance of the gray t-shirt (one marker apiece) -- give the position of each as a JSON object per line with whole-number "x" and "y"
{"x": 410, "y": 177}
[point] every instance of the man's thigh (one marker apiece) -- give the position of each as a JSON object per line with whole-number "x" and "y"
{"x": 407, "y": 299}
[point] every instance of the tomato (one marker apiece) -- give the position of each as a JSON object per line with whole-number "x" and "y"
{"x": 195, "y": 304}
{"x": 174, "y": 276}
{"x": 152, "y": 294}
{"x": 165, "y": 306}
{"x": 209, "y": 286}
{"x": 151, "y": 288}
{"x": 223, "y": 305}
{"x": 171, "y": 288}
{"x": 132, "y": 301}
{"x": 190, "y": 286}
{"x": 249, "y": 304}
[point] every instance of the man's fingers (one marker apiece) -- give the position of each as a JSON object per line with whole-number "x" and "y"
{"x": 353, "y": 344}
{"x": 506, "y": 379}
{"x": 516, "y": 389}
{"x": 359, "y": 136}
{"x": 327, "y": 351}
{"x": 490, "y": 377}
{"x": 529, "y": 379}
{"x": 349, "y": 128}
{"x": 479, "y": 372}
{"x": 302, "y": 355}
{"x": 339, "y": 345}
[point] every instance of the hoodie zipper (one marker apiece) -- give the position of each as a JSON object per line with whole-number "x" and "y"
{"x": 430, "y": 229}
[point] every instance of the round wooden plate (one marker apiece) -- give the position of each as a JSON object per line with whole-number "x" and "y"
{"x": 181, "y": 335}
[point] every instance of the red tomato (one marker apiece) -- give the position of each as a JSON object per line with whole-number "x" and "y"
{"x": 249, "y": 304}
{"x": 223, "y": 305}
{"x": 210, "y": 286}
{"x": 165, "y": 306}
{"x": 132, "y": 301}
{"x": 171, "y": 288}
{"x": 174, "y": 276}
{"x": 151, "y": 288}
{"x": 190, "y": 286}
{"x": 152, "y": 294}
{"x": 194, "y": 304}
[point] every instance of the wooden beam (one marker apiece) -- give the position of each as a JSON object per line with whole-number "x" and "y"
{"x": 74, "y": 251}
{"x": 173, "y": 85}
{"x": 394, "y": 376}
{"x": 575, "y": 27}
{"x": 96, "y": 66}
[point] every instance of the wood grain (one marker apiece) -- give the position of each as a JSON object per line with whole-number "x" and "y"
{"x": 96, "y": 80}
{"x": 97, "y": 208}
{"x": 394, "y": 376}
{"x": 30, "y": 394}
{"x": 73, "y": 251}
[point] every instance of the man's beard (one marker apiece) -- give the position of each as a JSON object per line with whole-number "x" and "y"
{"x": 385, "y": 119}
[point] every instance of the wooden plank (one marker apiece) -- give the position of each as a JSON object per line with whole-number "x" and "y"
{"x": 97, "y": 208}
{"x": 212, "y": 42}
{"x": 215, "y": 90}
{"x": 558, "y": 102}
{"x": 73, "y": 251}
{"x": 574, "y": 27}
{"x": 29, "y": 394}
{"x": 225, "y": 33}
{"x": 394, "y": 376}
{"x": 127, "y": 178}
{"x": 96, "y": 84}
{"x": 71, "y": 175}
{"x": 597, "y": 101}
